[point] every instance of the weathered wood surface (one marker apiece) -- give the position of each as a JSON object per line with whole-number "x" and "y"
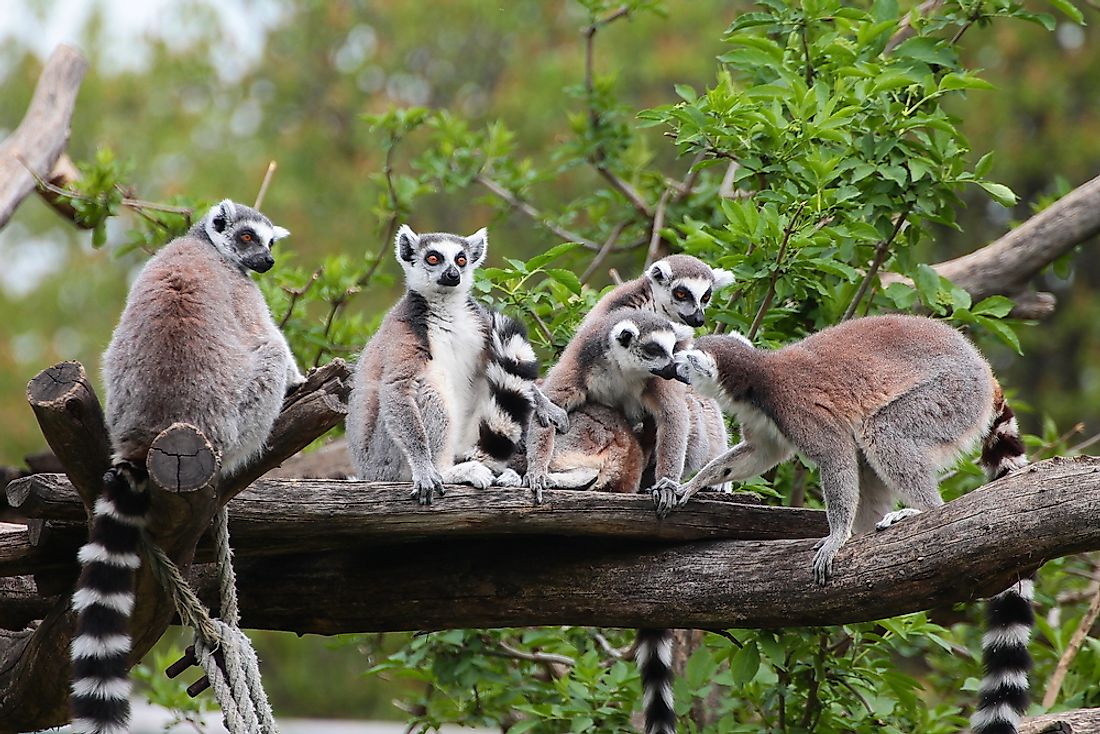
{"x": 181, "y": 459}
{"x": 44, "y": 132}
{"x": 972, "y": 546}
{"x": 71, "y": 419}
{"x": 1078, "y": 721}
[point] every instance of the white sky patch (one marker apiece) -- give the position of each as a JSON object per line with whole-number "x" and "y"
{"x": 27, "y": 260}
{"x": 126, "y": 24}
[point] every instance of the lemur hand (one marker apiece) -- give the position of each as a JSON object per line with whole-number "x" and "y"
{"x": 537, "y": 481}
{"x": 665, "y": 496}
{"x": 425, "y": 483}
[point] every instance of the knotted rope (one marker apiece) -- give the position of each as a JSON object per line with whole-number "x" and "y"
{"x": 237, "y": 688}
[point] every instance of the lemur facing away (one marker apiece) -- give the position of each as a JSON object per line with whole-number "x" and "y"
{"x": 197, "y": 344}
{"x": 678, "y": 287}
{"x": 881, "y": 405}
{"x": 443, "y": 377}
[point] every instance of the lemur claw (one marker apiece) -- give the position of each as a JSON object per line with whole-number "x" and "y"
{"x": 822, "y": 565}
{"x": 425, "y": 487}
{"x": 892, "y": 518}
{"x": 537, "y": 482}
{"x": 551, "y": 414}
{"x": 665, "y": 496}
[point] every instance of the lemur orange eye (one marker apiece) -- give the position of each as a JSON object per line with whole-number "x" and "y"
{"x": 433, "y": 259}
{"x": 461, "y": 261}
{"x": 246, "y": 237}
{"x": 680, "y": 294}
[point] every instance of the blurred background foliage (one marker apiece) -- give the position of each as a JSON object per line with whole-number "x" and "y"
{"x": 467, "y": 95}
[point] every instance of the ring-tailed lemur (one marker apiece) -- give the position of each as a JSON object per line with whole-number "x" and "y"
{"x": 196, "y": 343}
{"x": 443, "y": 377}
{"x": 617, "y": 362}
{"x": 881, "y": 405}
{"x": 678, "y": 287}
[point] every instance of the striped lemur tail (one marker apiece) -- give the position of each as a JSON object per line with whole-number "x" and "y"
{"x": 1003, "y": 695}
{"x": 104, "y": 600}
{"x": 654, "y": 657}
{"x": 511, "y": 373}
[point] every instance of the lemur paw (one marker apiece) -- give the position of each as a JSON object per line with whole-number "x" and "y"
{"x": 537, "y": 482}
{"x": 473, "y": 473}
{"x": 665, "y": 496}
{"x": 508, "y": 478}
{"x": 891, "y": 518}
{"x": 827, "y": 549}
{"x": 693, "y": 365}
{"x": 551, "y": 414}
{"x": 426, "y": 485}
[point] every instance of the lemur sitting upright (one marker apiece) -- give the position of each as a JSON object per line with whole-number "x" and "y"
{"x": 881, "y": 405}
{"x": 443, "y": 377}
{"x": 195, "y": 344}
{"x": 678, "y": 287}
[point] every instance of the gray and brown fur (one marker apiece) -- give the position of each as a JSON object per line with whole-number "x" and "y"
{"x": 881, "y": 405}
{"x": 442, "y": 376}
{"x": 197, "y": 344}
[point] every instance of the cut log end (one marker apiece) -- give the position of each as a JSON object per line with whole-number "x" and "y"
{"x": 57, "y": 385}
{"x": 181, "y": 459}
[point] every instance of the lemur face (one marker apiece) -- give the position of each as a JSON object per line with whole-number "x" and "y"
{"x": 643, "y": 345}
{"x": 242, "y": 235}
{"x": 683, "y": 287}
{"x": 438, "y": 262}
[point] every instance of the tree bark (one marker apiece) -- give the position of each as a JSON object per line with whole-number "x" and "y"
{"x": 44, "y": 132}
{"x": 1079, "y": 721}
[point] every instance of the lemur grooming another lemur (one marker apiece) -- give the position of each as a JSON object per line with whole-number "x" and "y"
{"x": 197, "y": 344}
{"x": 881, "y": 405}
{"x": 443, "y": 377}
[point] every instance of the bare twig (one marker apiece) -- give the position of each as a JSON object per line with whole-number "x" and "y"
{"x": 507, "y": 651}
{"x": 625, "y": 189}
{"x": 534, "y": 214}
{"x": 604, "y": 251}
{"x": 296, "y": 293}
{"x": 391, "y": 226}
{"x": 905, "y": 29}
{"x": 1054, "y": 685}
{"x": 263, "y": 186}
{"x": 880, "y": 256}
{"x": 658, "y": 223}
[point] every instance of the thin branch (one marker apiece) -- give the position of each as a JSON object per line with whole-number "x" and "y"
{"x": 605, "y": 250}
{"x": 1054, "y": 686}
{"x": 534, "y": 214}
{"x": 658, "y": 223}
{"x": 625, "y": 189}
{"x": 507, "y": 651}
{"x": 391, "y": 226}
{"x": 806, "y": 51}
{"x": 296, "y": 293}
{"x": 770, "y": 295}
{"x": 905, "y": 29}
{"x": 263, "y": 185}
{"x": 876, "y": 263}
{"x": 129, "y": 203}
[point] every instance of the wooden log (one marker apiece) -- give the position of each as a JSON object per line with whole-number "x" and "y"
{"x": 71, "y": 419}
{"x": 1078, "y": 721}
{"x": 181, "y": 459}
{"x": 41, "y": 137}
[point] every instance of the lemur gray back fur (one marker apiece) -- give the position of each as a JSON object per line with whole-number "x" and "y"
{"x": 678, "y": 287}
{"x": 881, "y": 405}
{"x": 196, "y": 344}
{"x": 432, "y": 382}
{"x": 616, "y": 361}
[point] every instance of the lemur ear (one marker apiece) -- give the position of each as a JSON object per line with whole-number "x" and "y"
{"x": 722, "y": 278}
{"x": 278, "y": 233}
{"x": 221, "y": 213}
{"x": 478, "y": 243}
{"x": 659, "y": 272}
{"x": 624, "y": 333}
{"x": 404, "y": 243}
{"x": 684, "y": 334}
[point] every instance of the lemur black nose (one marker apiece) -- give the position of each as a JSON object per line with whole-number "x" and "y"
{"x": 668, "y": 371}
{"x": 450, "y": 277}
{"x": 694, "y": 319}
{"x": 261, "y": 262}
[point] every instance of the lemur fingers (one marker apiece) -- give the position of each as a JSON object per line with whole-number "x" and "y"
{"x": 827, "y": 549}
{"x": 666, "y": 500}
{"x": 549, "y": 413}
{"x": 508, "y": 478}
{"x": 426, "y": 484}
{"x": 537, "y": 481}
{"x": 474, "y": 473}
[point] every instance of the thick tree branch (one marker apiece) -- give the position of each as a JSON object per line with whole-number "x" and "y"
{"x": 34, "y": 147}
{"x": 1005, "y": 266}
{"x": 1079, "y": 721}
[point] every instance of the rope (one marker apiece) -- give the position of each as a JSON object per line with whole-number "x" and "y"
{"x": 237, "y": 688}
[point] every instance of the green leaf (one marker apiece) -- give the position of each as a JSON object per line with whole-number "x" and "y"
{"x": 552, "y": 254}
{"x": 567, "y": 278}
{"x": 953, "y": 81}
{"x": 686, "y": 93}
{"x": 523, "y": 725}
{"x": 745, "y": 663}
{"x": 927, "y": 282}
{"x": 927, "y": 49}
{"x": 1001, "y": 193}
{"x": 1002, "y": 331}
{"x": 995, "y": 306}
{"x": 1070, "y": 10}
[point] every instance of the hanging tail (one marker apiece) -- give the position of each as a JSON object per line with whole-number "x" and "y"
{"x": 1004, "y": 690}
{"x": 654, "y": 657}
{"x": 511, "y": 374}
{"x": 104, "y": 601}
{"x": 1002, "y": 449}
